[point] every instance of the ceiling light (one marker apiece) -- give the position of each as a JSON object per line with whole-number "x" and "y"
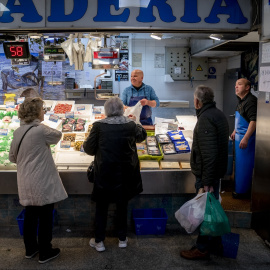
{"x": 156, "y": 36}
{"x": 216, "y": 36}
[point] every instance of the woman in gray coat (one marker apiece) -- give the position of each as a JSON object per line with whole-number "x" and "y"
{"x": 117, "y": 175}
{"x": 39, "y": 184}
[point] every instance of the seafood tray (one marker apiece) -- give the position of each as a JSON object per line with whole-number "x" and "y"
{"x": 67, "y": 102}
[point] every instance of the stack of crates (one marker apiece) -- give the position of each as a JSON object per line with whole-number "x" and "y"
{"x": 69, "y": 83}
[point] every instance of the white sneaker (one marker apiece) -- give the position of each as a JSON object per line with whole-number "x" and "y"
{"x": 123, "y": 244}
{"x": 98, "y": 246}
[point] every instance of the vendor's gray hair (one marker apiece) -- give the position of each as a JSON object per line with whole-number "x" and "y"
{"x": 204, "y": 94}
{"x": 114, "y": 107}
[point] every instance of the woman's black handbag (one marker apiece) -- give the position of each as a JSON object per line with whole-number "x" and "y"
{"x": 90, "y": 172}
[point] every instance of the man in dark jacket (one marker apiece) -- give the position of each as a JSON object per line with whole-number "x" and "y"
{"x": 209, "y": 158}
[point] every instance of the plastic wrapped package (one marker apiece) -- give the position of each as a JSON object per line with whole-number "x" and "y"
{"x": 135, "y": 111}
{"x": 67, "y": 47}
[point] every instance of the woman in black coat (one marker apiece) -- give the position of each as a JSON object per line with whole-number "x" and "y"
{"x": 117, "y": 176}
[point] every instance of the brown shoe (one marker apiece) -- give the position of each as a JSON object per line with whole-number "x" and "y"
{"x": 195, "y": 254}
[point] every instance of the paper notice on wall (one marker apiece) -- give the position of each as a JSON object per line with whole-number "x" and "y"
{"x": 51, "y": 69}
{"x": 266, "y": 53}
{"x": 159, "y": 60}
{"x": 136, "y": 59}
{"x": 264, "y": 85}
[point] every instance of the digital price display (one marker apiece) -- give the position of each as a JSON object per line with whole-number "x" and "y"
{"x": 53, "y": 50}
{"x": 16, "y": 50}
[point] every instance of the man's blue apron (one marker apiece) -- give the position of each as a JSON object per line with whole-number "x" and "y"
{"x": 146, "y": 113}
{"x": 244, "y": 158}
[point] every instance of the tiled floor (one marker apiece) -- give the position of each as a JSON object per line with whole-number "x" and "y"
{"x": 143, "y": 252}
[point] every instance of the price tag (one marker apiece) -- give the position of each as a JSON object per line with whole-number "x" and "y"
{"x": 65, "y": 144}
{"x": 3, "y": 132}
{"x": 10, "y": 104}
{"x": 49, "y": 112}
{"x": 20, "y": 100}
{"x": 15, "y": 119}
{"x": 81, "y": 108}
{"x": 81, "y": 149}
{"x": 80, "y": 136}
{"x": 69, "y": 114}
{"x": 53, "y": 118}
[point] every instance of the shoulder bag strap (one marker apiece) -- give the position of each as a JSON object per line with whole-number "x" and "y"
{"x": 22, "y": 139}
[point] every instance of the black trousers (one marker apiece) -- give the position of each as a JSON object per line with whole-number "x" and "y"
{"x": 101, "y": 220}
{"x": 44, "y": 216}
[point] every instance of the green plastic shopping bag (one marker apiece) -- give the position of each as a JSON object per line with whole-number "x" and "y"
{"x": 215, "y": 221}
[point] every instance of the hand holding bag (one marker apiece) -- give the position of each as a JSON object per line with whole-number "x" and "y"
{"x": 90, "y": 172}
{"x": 191, "y": 214}
{"x": 215, "y": 221}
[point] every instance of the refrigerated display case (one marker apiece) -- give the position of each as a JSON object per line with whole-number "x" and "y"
{"x": 72, "y": 162}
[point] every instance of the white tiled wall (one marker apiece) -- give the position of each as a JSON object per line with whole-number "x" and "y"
{"x": 178, "y": 90}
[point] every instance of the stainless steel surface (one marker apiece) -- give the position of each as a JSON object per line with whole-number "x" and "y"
{"x": 75, "y": 182}
{"x": 229, "y": 97}
{"x": 261, "y": 183}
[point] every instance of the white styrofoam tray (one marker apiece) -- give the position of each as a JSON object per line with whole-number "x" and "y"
{"x": 84, "y": 113}
{"x": 49, "y": 103}
{"x": 51, "y": 124}
{"x": 73, "y": 158}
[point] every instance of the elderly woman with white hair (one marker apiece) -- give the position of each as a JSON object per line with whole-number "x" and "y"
{"x": 117, "y": 177}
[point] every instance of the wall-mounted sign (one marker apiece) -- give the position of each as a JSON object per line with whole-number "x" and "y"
{"x": 98, "y": 14}
{"x": 16, "y": 50}
{"x": 212, "y": 73}
{"x": 121, "y": 75}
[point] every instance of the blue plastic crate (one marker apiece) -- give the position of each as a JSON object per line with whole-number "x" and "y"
{"x": 230, "y": 243}
{"x": 150, "y": 221}
{"x": 20, "y": 220}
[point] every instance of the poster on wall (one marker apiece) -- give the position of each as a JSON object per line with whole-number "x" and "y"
{"x": 137, "y": 60}
{"x": 266, "y": 53}
{"x": 123, "y": 64}
{"x": 122, "y": 42}
{"x": 159, "y": 60}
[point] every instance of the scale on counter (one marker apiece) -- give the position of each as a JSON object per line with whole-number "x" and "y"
{"x": 54, "y": 53}
{"x": 105, "y": 58}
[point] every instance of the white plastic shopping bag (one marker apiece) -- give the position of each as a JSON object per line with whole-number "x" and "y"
{"x": 134, "y": 110}
{"x": 191, "y": 214}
